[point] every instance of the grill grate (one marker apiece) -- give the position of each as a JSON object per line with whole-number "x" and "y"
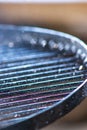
{"x": 32, "y": 79}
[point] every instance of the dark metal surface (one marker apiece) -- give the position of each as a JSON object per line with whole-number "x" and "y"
{"x": 42, "y": 74}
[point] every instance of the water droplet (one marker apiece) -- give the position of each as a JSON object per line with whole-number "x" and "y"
{"x": 73, "y": 67}
{"x": 47, "y": 122}
{"x": 60, "y": 114}
{"x": 51, "y": 111}
{"x": 53, "y": 44}
{"x": 79, "y": 51}
{"x": 73, "y": 48}
{"x": 81, "y": 67}
{"x": 43, "y": 42}
{"x": 34, "y": 71}
{"x": 83, "y": 55}
{"x": 60, "y": 46}
{"x": 33, "y": 41}
{"x": 56, "y": 76}
{"x": 67, "y": 47}
{"x": 59, "y": 70}
{"x": 74, "y": 73}
{"x": 15, "y": 115}
{"x": 11, "y": 44}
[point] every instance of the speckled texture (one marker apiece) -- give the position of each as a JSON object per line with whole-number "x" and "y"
{"x": 36, "y": 71}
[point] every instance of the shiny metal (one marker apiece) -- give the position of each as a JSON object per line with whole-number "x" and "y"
{"x": 40, "y": 70}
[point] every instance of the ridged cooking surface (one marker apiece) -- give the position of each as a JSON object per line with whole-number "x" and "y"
{"x": 34, "y": 79}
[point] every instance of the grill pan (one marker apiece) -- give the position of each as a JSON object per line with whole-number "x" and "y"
{"x": 43, "y": 76}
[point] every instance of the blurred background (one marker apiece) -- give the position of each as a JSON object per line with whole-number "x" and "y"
{"x": 69, "y": 16}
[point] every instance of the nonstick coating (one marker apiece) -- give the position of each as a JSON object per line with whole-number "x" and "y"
{"x": 42, "y": 76}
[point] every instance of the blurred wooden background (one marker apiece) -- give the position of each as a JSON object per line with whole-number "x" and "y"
{"x": 71, "y": 18}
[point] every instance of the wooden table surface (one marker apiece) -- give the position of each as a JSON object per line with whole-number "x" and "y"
{"x": 75, "y": 120}
{"x": 43, "y": 1}
{"x": 55, "y": 126}
{"x": 69, "y": 17}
